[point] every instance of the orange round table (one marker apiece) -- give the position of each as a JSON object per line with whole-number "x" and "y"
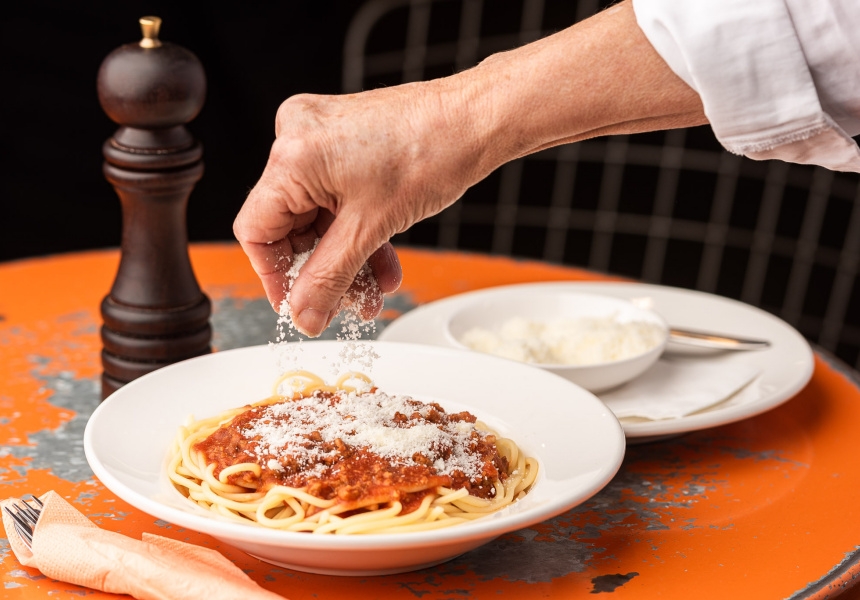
{"x": 762, "y": 508}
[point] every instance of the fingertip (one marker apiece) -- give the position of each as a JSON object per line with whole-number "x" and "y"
{"x": 365, "y": 302}
{"x": 275, "y": 289}
{"x": 312, "y": 322}
{"x": 386, "y": 268}
{"x": 311, "y": 307}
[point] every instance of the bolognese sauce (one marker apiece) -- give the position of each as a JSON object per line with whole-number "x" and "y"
{"x": 361, "y": 450}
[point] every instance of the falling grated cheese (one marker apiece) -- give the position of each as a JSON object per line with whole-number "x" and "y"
{"x": 353, "y": 353}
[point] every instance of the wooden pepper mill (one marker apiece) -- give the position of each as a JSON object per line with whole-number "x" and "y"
{"x": 155, "y": 313}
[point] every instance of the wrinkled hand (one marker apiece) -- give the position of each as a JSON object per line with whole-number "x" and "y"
{"x": 354, "y": 170}
{"x": 349, "y": 171}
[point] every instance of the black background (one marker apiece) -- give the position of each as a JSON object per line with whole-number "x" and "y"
{"x": 54, "y": 196}
{"x": 256, "y": 54}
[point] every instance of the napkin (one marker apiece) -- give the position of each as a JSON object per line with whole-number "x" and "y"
{"x": 67, "y": 546}
{"x": 675, "y": 388}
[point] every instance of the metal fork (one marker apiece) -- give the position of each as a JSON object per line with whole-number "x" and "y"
{"x": 25, "y": 516}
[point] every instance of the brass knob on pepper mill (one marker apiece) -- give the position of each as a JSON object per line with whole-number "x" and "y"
{"x": 155, "y": 313}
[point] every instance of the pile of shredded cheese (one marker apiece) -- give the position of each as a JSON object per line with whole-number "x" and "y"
{"x": 582, "y": 341}
{"x": 362, "y": 421}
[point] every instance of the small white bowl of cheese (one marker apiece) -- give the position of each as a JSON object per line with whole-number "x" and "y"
{"x": 598, "y": 342}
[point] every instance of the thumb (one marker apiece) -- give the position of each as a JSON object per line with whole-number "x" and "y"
{"x": 316, "y": 294}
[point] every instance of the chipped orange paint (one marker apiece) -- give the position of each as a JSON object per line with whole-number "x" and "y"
{"x": 762, "y": 508}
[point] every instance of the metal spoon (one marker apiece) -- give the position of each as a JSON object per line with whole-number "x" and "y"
{"x": 702, "y": 339}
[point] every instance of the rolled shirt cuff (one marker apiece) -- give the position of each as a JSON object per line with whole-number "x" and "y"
{"x": 747, "y": 64}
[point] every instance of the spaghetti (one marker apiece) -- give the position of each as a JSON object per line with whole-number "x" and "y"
{"x": 346, "y": 459}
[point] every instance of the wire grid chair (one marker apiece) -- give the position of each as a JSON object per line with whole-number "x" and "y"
{"x": 667, "y": 207}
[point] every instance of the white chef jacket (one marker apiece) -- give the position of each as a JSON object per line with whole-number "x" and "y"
{"x": 778, "y": 78}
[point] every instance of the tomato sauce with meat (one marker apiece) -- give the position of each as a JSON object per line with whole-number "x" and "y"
{"x": 362, "y": 450}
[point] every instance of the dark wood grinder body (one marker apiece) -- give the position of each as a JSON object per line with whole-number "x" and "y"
{"x": 155, "y": 313}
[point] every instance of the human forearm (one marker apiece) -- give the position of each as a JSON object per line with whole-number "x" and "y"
{"x": 599, "y": 77}
{"x": 354, "y": 170}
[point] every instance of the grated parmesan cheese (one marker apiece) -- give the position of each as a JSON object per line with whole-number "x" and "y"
{"x": 362, "y": 421}
{"x": 582, "y": 341}
{"x": 353, "y": 353}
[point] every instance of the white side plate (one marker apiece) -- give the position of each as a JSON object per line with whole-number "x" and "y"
{"x": 786, "y": 366}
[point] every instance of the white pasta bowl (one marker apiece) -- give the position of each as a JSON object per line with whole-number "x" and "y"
{"x": 575, "y": 438}
{"x": 598, "y": 342}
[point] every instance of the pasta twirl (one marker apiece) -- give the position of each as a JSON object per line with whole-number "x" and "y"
{"x": 346, "y": 459}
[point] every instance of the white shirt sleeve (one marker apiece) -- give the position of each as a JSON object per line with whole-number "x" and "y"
{"x": 778, "y": 78}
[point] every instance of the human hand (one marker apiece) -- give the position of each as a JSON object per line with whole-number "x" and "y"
{"x": 354, "y": 170}
{"x": 346, "y": 173}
